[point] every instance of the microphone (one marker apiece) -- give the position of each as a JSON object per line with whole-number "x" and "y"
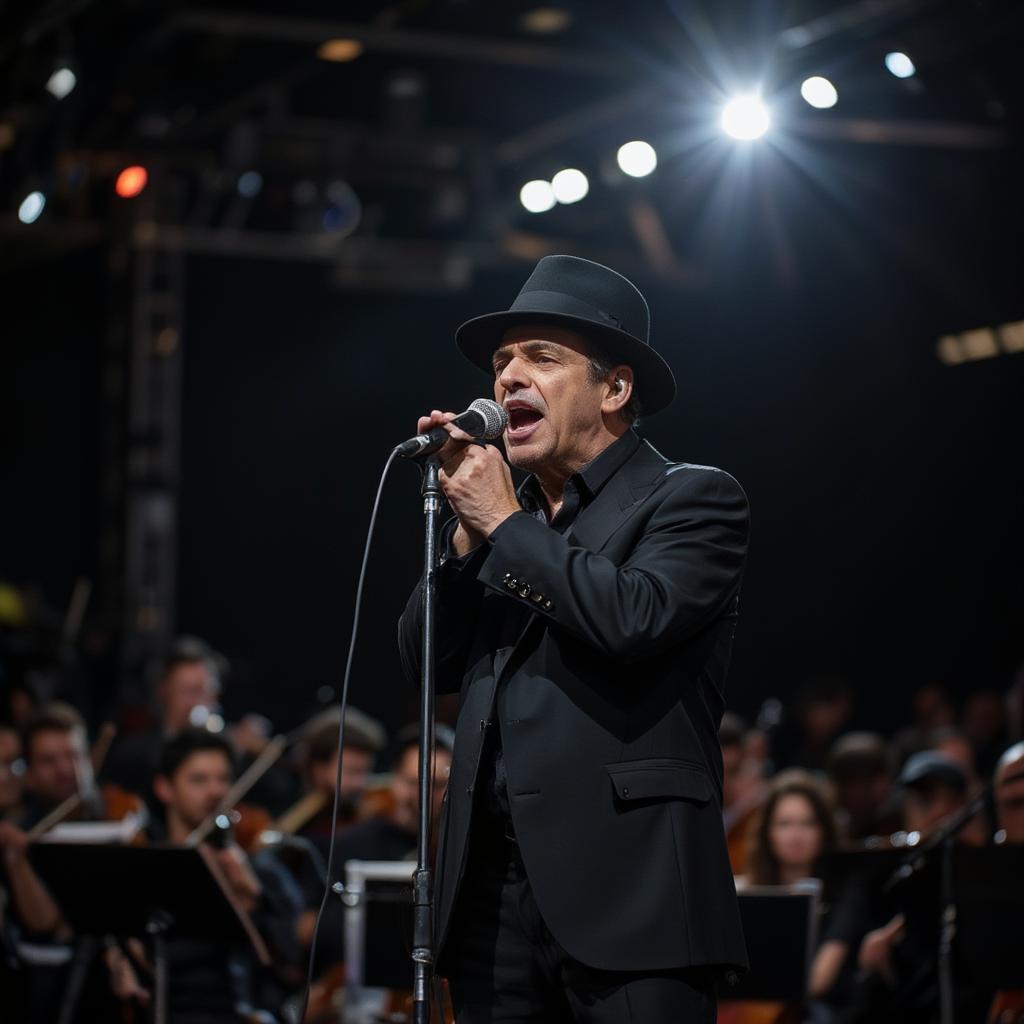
{"x": 484, "y": 420}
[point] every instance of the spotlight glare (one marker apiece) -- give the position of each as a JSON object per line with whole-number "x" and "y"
{"x": 746, "y": 118}
{"x": 570, "y": 185}
{"x": 31, "y": 207}
{"x": 249, "y": 184}
{"x": 537, "y": 196}
{"x": 899, "y": 64}
{"x": 340, "y": 51}
{"x": 61, "y": 82}
{"x": 637, "y": 158}
{"x": 819, "y": 92}
{"x": 131, "y": 181}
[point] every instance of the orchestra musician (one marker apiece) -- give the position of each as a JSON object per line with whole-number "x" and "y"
{"x": 586, "y": 621}
{"x": 211, "y": 983}
{"x": 1009, "y": 795}
{"x": 189, "y": 679}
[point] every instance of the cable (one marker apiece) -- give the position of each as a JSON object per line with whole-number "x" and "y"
{"x": 343, "y": 703}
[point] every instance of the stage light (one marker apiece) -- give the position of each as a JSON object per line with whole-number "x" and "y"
{"x": 899, "y": 64}
{"x": 131, "y": 181}
{"x": 570, "y": 185}
{"x": 637, "y": 158}
{"x": 537, "y": 196}
{"x": 61, "y": 82}
{"x": 546, "y": 21}
{"x": 250, "y": 183}
{"x": 819, "y": 92}
{"x": 339, "y": 51}
{"x": 746, "y": 118}
{"x": 31, "y": 207}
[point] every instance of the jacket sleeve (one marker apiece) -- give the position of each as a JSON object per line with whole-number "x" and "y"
{"x": 683, "y": 572}
{"x": 458, "y": 607}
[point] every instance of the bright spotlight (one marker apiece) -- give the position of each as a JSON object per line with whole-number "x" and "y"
{"x": 899, "y": 64}
{"x": 537, "y": 196}
{"x": 249, "y": 184}
{"x": 746, "y": 118}
{"x": 61, "y": 82}
{"x": 819, "y": 92}
{"x": 31, "y": 207}
{"x": 131, "y": 181}
{"x": 570, "y": 185}
{"x": 637, "y": 159}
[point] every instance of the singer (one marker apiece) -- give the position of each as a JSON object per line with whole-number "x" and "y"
{"x": 586, "y": 622}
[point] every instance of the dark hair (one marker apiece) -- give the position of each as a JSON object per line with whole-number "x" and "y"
{"x": 409, "y": 736}
{"x": 191, "y": 650}
{"x": 55, "y": 717}
{"x": 763, "y": 867}
{"x": 361, "y": 733}
{"x": 179, "y": 749}
{"x": 731, "y": 730}
{"x": 601, "y": 365}
{"x": 859, "y": 755}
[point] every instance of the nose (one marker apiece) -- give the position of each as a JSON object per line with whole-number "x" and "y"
{"x": 514, "y": 376}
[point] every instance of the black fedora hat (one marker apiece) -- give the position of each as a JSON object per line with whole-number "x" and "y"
{"x": 590, "y": 299}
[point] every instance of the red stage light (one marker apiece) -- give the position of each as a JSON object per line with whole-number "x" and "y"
{"x": 131, "y": 181}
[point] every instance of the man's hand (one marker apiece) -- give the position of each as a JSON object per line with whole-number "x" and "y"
{"x": 240, "y": 875}
{"x": 476, "y": 481}
{"x": 876, "y": 950}
{"x": 478, "y": 485}
{"x": 13, "y": 842}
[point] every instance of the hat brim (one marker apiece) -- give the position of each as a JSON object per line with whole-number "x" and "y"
{"x": 654, "y": 382}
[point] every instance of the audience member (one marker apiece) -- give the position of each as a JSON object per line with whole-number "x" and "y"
{"x": 859, "y": 766}
{"x": 1009, "y": 795}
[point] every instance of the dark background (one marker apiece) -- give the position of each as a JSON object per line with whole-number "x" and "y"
{"x": 887, "y": 488}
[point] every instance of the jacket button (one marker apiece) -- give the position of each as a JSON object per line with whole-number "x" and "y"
{"x": 525, "y": 589}
{"x": 536, "y": 597}
{"x": 469, "y": 791}
{"x": 483, "y": 724}
{"x": 625, "y": 790}
{"x": 547, "y": 604}
{"x": 512, "y": 583}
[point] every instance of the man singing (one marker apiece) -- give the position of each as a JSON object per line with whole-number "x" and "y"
{"x": 586, "y": 622}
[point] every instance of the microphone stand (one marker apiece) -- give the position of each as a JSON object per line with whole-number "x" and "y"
{"x": 423, "y": 882}
{"x": 942, "y": 841}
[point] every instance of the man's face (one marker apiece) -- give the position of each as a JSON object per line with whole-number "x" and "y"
{"x": 10, "y": 779}
{"x": 542, "y": 377}
{"x": 405, "y": 786}
{"x": 188, "y": 685}
{"x": 197, "y": 788}
{"x": 355, "y": 774}
{"x": 57, "y": 765}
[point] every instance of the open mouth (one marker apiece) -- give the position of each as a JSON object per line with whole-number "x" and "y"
{"x": 522, "y": 420}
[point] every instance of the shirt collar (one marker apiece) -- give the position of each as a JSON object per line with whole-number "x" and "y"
{"x": 592, "y": 477}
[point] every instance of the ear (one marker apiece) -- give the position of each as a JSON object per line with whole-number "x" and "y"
{"x": 162, "y": 789}
{"x": 619, "y": 389}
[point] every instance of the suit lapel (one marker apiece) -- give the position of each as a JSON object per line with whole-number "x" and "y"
{"x": 610, "y": 509}
{"x": 599, "y": 520}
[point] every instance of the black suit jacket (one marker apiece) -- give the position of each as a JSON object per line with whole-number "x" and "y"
{"x": 603, "y": 653}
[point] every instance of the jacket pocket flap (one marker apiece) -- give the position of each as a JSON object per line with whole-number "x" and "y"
{"x": 659, "y": 777}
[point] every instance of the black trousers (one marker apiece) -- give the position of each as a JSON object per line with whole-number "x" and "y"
{"x": 505, "y": 967}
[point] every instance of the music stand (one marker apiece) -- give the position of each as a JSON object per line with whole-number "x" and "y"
{"x": 780, "y": 923}
{"x": 149, "y": 891}
{"x": 378, "y": 926}
{"x": 989, "y": 902}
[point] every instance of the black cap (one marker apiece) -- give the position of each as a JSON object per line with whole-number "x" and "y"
{"x": 929, "y": 768}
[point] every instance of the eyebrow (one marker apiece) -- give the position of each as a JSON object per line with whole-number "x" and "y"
{"x": 530, "y": 347}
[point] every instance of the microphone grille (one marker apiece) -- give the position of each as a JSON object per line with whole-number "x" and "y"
{"x": 494, "y": 416}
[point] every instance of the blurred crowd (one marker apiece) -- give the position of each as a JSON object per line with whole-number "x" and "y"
{"x": 801, "y": 784}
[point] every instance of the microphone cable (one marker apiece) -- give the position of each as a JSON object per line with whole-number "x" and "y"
{"x": 343, "y": 704}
